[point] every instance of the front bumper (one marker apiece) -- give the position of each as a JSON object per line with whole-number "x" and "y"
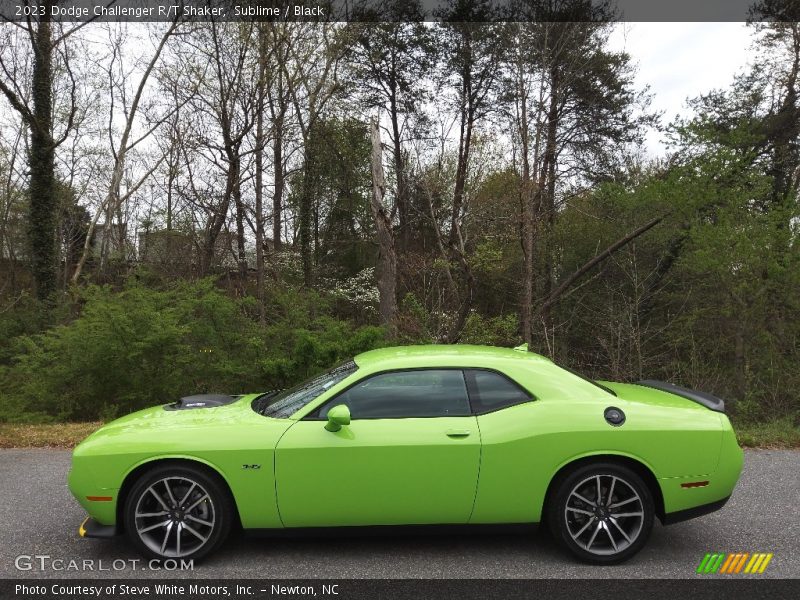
{"x": 98, "y": 501}
{"x": 92, "y": 529}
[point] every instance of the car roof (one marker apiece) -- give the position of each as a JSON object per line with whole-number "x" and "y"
{"x": 442, "y": 355}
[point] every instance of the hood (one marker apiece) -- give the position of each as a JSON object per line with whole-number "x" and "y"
{"x": 189, "y": 413}
{"x": 184, "y": 431}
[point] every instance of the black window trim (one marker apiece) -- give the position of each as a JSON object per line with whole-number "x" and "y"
{"x": 314, "y": 414}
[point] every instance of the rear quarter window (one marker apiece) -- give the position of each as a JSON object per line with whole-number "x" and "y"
{"x": 490, "y": 391}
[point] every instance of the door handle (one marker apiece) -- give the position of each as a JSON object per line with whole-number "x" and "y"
{"x": 458, "y": 433}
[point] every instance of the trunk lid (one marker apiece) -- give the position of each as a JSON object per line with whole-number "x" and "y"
{"x": 647, "y": 394}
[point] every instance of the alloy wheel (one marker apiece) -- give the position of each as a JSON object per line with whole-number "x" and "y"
{"x": 604, "y": 514}
{"x": 175, "y": 516}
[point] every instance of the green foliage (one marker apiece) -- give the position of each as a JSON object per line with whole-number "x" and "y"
{"x": 138, "y": 347}
{"x": 494, "y": 331}
{"x": 413, "y": 321}
{"x": 337, "y": 178}
{"x": 709, "y": 297}
{"x": 776, "y": 433}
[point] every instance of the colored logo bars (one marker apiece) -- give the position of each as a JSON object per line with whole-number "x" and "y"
{"x": 734, "y": 563}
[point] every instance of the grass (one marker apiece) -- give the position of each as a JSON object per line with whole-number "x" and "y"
{"x": 51, "y": 435}
{"x": 782, "y": 433}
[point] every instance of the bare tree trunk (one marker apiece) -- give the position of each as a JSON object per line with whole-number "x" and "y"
{"x": 464, "y": 142}
{"x": 235, "y": 112}
{"x": 549, "y": 193}
{"x": 784, "y": 162}
{"x": 387, "y": 257}
{"x": 277, "y": 198}
{"x": 278, "y": 105}
{"x": 456, "y": 241}
{"x": 260, "y": 141}
{"x": 6, "y": 239}
{"x": 466, "y": 303}
{"x": 529, "y": 198}
{"x": 399, "y": 168}
{"x": 740, "y": 362}
{"x": 217, "y": 221}
{"x": 304, "y": 216}
{"x": 237, "y": 199}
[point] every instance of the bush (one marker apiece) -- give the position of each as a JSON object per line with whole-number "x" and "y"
{"x": 494, "y": 331}
{"x": 139, "y": 347}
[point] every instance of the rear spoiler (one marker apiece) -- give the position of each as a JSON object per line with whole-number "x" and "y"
{"x": 707, "y": 400}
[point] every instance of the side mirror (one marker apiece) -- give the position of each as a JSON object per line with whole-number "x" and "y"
{"x": 337, "y": 416}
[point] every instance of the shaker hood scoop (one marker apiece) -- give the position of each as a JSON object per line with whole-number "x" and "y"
{"x": 201, "y": 401}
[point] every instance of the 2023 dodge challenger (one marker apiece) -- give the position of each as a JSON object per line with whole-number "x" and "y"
{"x": 422, "y": 435}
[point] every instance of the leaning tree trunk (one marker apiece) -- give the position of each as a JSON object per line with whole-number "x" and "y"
{"x": 387, "y": 256}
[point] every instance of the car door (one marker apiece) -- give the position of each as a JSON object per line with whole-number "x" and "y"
{"x": 410, "y": 455}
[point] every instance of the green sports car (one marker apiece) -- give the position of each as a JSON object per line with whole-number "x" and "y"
{"x": 420, "y": 435}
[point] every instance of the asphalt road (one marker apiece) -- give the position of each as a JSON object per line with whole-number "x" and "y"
{"x": 39, "y": 517}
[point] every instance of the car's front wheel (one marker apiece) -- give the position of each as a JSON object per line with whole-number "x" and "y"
{"x": 177, "y": 512}
{"x": 602, "y": 512}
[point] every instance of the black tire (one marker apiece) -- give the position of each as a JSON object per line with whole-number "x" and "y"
{"x": 182, "y": 530}
{"x": 617, "y": 538}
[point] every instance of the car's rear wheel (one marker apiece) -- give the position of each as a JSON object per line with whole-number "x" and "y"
{"x": 177, "y": 512}
{"x": 602, "y": 513}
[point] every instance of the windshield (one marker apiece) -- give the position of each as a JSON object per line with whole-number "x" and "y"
{"x": 285, "y": 403}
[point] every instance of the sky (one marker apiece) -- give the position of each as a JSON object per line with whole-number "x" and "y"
{"x": 682, "y": 60}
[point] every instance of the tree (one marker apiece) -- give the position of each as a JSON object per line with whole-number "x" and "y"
{"x": 390, "y": 60}
{"x": 341, "y": 184}
{"x": 583, "y": 114}
{"x": 13, "y": 204}
{"x": 114, "y": 199}
{"x": 740, "y": 154}
{"x": 43, "y": 139}
{"x": 473, "y": 51}
{"x": 387, "y": 256}
{"x": 312, "y": 83}
{"x": 260, "y": 142}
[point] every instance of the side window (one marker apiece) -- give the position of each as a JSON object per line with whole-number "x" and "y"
{"x": 405, "y": 394}
{"x": 492, "y": 391}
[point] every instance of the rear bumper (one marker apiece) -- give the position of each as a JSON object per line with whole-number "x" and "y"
{"x": 691, "y": 513}
{"x": 92, "y": 529}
